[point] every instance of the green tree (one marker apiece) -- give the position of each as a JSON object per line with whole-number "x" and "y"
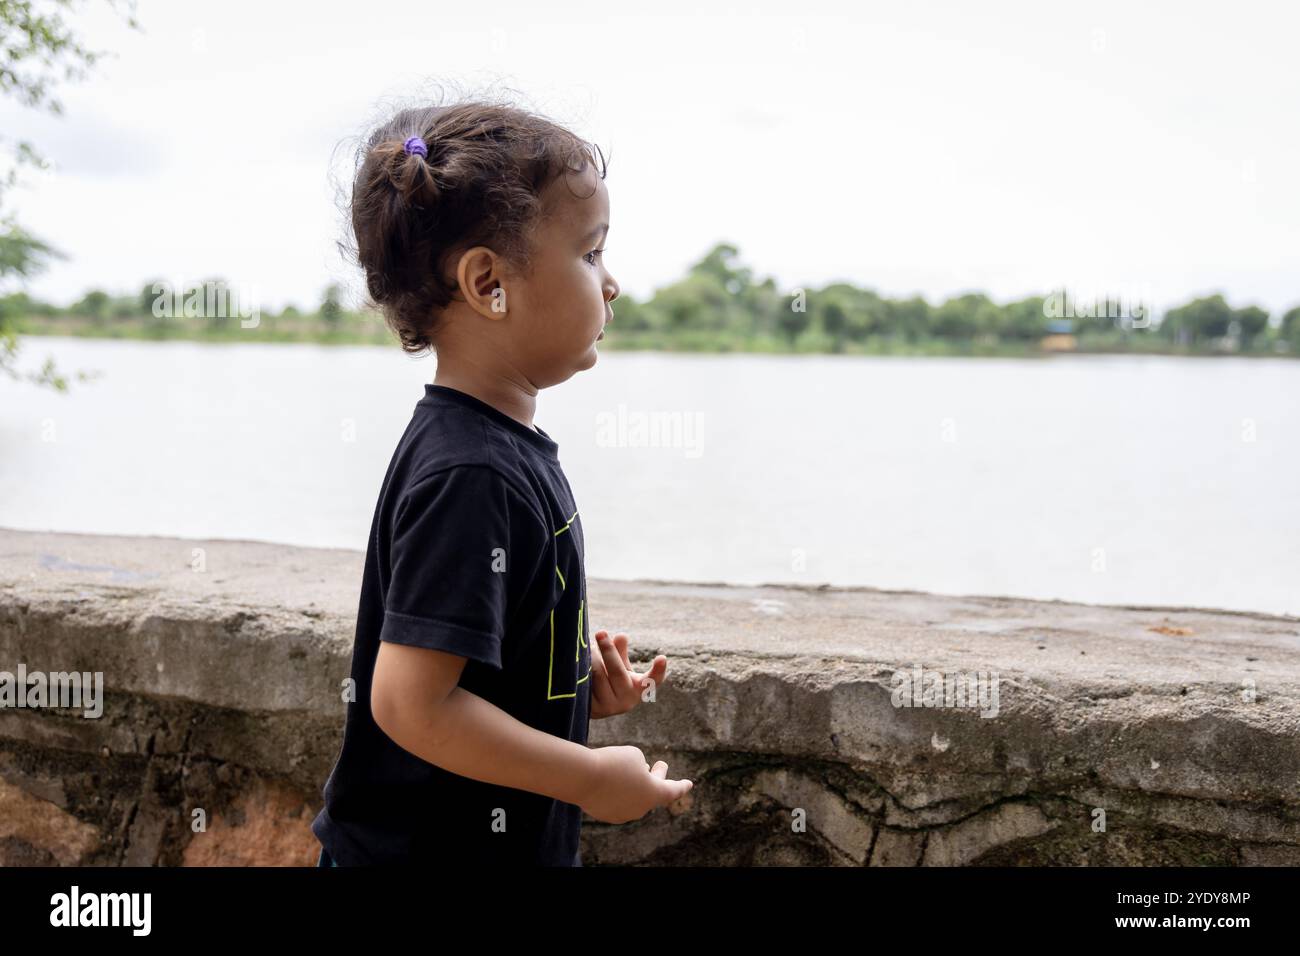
{"x": 718, "y": 264}
{"x": 1251, "y": 321}
{"x": 1198, "y": 322}
{"x": 959, "y": 318}
{"x": 793, "y": 321}
{"x": 148, "y": 296}
{"x": 123, "y": 307}
{"x": 1024, "y": 321}
{"x": 990, "y": 322}
{"x": 331, "y": 307}
{"x": 93, "y": 305}
{"x": 909, "y": 319}
{"x": 1290, "y": 330}
{"x": 758, "y": 307}
{"x": 864, "y": 313}
{"x": 869, "y": 315}
{"x": 697, "y": 303}
{"x": 728, "y": 297}
{"x": 834, "y": 321}
{"x": 37, "y": 48}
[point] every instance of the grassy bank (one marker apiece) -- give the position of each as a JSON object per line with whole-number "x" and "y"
{"x": 369, "y": 329}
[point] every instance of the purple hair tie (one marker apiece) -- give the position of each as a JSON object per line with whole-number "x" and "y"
{"x": 416, "y": 145}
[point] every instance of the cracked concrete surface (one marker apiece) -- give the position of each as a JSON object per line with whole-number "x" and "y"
{"x": 1121, "y": 735}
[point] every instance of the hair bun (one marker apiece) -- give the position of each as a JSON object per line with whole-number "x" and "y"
{"x": 411, "y": 173}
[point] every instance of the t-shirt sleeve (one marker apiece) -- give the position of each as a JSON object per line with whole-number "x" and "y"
{"x": 463, "y": 542}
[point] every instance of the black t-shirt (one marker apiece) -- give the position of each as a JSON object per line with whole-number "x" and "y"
{"x": 476, "y": 549}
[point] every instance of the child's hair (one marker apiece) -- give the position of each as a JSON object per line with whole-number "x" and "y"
{"x": 481, "y": 184}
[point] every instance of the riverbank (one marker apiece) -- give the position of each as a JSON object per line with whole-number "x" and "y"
{"x": 369, "y": 329}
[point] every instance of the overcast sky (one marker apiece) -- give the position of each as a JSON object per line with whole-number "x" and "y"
{"x": 927, "y": 147}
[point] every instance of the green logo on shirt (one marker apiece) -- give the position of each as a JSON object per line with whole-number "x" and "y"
{"x": 565, "y": 610}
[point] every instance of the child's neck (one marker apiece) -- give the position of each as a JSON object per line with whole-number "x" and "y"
{"x": 501, "y": 393}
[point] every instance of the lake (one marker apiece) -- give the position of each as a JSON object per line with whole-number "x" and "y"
{"x": 1117, "y": 479}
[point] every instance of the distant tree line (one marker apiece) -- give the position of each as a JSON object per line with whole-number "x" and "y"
{"x": 721, "y": 305}
{"x": 211, "y": 308}
{"x": 720, "y": 297}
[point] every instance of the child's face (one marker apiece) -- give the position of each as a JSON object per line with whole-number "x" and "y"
{"x": 563, "y": 304}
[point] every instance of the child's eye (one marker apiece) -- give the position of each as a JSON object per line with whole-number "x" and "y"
{"x": 589, "y": 256}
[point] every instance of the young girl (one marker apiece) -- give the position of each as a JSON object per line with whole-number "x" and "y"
{"x": 479, "y": 227}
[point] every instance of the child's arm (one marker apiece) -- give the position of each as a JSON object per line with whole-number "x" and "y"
{"x": 415, "y": 700}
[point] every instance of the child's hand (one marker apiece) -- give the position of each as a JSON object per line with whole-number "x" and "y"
{"x": 615, "y": 687}
{"x": 624, "y": 787}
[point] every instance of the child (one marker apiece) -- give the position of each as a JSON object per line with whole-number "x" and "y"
{"x": 477, "y": 227}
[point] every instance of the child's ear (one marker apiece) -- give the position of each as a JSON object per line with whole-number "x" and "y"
{"x": 479, "y": 275}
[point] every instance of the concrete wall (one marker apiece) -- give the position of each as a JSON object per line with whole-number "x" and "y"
{"x": 223, "y": 661}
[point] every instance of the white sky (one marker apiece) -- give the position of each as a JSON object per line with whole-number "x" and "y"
{"x": 931, "y": 147}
